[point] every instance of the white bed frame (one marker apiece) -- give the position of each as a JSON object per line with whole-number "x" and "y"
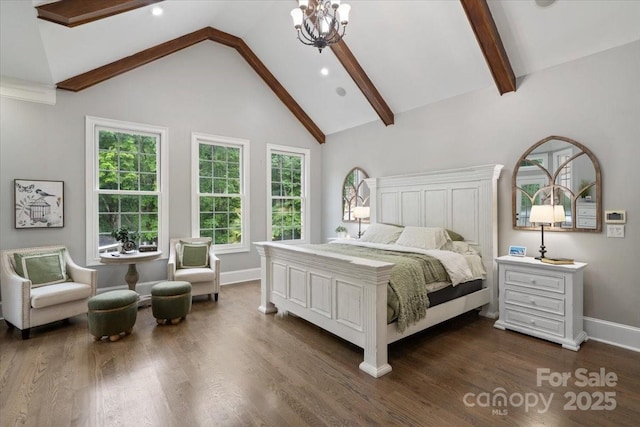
{"x": 348, "y": 296}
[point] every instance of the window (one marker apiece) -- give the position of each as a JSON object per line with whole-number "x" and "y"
{"x": 126, "y": 183}
{"x": 220, "y": 171}
{"x": 287, "y": 177}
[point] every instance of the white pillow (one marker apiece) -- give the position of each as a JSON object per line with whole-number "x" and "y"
{"x": 423, "y": 237}
{"x": 381, "y": 233}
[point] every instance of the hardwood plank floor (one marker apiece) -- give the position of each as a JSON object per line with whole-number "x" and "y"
{"x": 230, "y": 365}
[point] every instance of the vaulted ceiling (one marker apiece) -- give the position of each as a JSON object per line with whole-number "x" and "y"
{"x": 398, "y": 55}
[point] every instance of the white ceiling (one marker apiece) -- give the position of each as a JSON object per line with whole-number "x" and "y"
{"x": 415, "y": 52}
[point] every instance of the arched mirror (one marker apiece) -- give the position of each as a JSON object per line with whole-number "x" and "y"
{"x": 561, "y": 172}
{"x": 355, "y": 192}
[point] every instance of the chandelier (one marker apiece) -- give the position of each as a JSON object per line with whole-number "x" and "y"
{"x": 321, "y": 23}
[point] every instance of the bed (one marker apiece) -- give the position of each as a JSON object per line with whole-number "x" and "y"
{"x": 347, "y": 295}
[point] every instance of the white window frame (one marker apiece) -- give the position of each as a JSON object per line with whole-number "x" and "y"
{"x": 243, "y": 144}
{"x": 306, "y": 204}
{"x": 92, "y": 127}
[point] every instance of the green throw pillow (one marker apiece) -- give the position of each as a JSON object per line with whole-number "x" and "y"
{"x": 455, "y": 236}
{"x": 41, "y": 268}
{"x": 193, "y": 255}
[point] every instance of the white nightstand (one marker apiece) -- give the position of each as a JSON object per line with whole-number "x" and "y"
{"x": 542, "y": 300}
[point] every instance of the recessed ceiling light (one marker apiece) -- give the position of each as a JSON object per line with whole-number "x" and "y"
{"x": 156, "y": 11}
{"x": 545, "y": 3}
{"x": 340, "y": 91}
{"x": 324, "y": 71}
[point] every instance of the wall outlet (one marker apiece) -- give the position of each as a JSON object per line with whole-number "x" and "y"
{"x": 615, "y": 230}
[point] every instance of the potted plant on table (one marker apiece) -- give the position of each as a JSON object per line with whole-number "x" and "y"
{"x": 341, "y": 231}
{"x": 126, "y": 238}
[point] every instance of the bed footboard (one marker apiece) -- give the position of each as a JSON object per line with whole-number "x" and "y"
{"x": 344, "y": 295}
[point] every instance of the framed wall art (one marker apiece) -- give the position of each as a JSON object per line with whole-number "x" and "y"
{"x": 38, "y": 204}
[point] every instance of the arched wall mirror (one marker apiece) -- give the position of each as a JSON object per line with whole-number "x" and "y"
{"x": 355, "y": 192}
{"x": 561, "y": 172}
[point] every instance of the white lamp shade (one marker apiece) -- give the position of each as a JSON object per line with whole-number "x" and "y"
{"x": 360, "y": 212}
{"x": 547, "y": 214}
{"x": 558, "y": 213}
{"x": 343, "y": 11}
{"x": 296, "y": 14}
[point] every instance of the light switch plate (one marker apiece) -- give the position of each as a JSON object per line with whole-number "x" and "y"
{"x": 615, "y": 230}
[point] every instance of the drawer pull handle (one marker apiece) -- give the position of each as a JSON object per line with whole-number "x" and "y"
{"x": 533, "y": 281}
{"x": 532, "y": 301}
{"x": 533, "y": 322}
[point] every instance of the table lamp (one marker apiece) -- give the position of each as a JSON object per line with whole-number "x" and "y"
{"x": 360, "y": 212}
{"x": 546, "y": 214}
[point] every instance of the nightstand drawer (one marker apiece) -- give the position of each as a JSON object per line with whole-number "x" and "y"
{"x": 536, "y": 280}
{"x": 586, "y": 222}
{"x": 587, "y": 212}
{"x": 531, "y": 321}
{"x": 536, "y": 302}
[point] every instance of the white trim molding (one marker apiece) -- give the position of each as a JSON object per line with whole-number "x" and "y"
{"x": 93, "y": 125}
{"x": 616, "y": 334}
{"x": 306, "y": 188}
{"x": 27, "y": 91}
{"x": 245, "y": 166}
{"x": 239, "y": 276}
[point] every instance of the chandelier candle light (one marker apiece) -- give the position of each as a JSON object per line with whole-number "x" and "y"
{"x": 320, "y": 23}
{"x": 546, "y": 214}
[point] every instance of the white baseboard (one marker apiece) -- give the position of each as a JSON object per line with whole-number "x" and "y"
{"x": 228, "y": 278}
{"x": 231, "y": 277}
{"x": 612, "y": 333}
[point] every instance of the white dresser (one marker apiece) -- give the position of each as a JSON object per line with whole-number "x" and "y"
{"x": 542, "y": 300}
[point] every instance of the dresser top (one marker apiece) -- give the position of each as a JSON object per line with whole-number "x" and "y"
{"x": 530, "y": 261}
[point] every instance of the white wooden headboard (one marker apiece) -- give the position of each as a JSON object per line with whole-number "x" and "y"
{"x": 463, "y": 200}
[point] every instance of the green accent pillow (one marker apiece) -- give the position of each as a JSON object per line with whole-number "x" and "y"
{"x": 42, "y": 269}
{"x": 193, "y": 255}
{"x": 455, "y": 236}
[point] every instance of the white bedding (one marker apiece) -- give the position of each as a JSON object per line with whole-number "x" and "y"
{"x": 461, "y": 268}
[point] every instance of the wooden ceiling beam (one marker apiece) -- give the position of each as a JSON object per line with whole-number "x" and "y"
{"x": 100, "y": 74}
{"x": 71, "y": 13}
{"x": 360, "y": 77}
{"x": 484, "y": 27}
{"x": 106, "y": 72}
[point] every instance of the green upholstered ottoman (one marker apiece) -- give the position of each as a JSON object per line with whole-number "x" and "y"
{"x": 112, "y": 313}
{"x": 171, "y": 301}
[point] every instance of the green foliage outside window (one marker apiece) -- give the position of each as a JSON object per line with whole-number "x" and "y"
{"x": 286, "y": 196}
{"x": 127, "y": 168}
{"x": 220, "y": 189}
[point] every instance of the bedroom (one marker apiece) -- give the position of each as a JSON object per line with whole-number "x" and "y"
{"x": 592, "y": 99}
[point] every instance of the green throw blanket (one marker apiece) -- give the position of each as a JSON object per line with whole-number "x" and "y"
{"x": 407, "y": 293}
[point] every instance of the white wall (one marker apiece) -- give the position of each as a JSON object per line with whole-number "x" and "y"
{"x": 594, "y": 100}
{"x": 206, "y": 88}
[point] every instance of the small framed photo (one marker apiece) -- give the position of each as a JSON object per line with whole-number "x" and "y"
{"x": 517, "y": 250}
{"x": 38, "y": 203}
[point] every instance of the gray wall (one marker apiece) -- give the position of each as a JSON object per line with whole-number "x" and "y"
{"x": 594, "y": 100}
{"x": 206, "y": 88}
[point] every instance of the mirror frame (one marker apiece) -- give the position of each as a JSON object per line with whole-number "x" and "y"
{"x": 359, "y": 201}
{"x": 552, "y": 175}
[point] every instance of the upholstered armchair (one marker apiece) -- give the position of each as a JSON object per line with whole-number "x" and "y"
{"x": 46, "y": 286}
{"x": 204, "y": 277}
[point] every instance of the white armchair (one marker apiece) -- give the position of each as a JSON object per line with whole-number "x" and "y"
{"x": 25, "y": 306}
{"x": 204, "y": 280}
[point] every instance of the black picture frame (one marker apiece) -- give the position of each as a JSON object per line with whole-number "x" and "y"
{"x": 38, "y": 204}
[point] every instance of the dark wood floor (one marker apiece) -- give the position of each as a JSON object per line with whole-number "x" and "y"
{"x": 230, "y": 365}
